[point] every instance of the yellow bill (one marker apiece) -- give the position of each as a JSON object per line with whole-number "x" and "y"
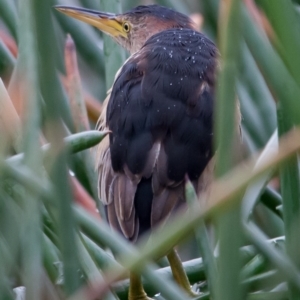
{"x": 106, "y": 22}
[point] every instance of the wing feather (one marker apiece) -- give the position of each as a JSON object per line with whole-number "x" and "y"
{"x": 159, "y": 112}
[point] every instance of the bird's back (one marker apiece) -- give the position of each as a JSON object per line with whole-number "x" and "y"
{"x": 160, "y": 113}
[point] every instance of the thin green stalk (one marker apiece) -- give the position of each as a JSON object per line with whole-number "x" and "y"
{"x": 286, "y": 27}
{"x": 255, "y": 266}
{"x": 79, "y": 114}
{"x": 258, "y": 117}
{"x": 66, "y": 223}
{"x": 226, "y": 105}
{"x": 178, "y": 5}
{"x": 10, "y": 215}
{"x": 278, "y": 259}
{"x": 252, "y": 119}
{"x": 92, "y": 4}
{"x": 102, "y": 258}
{"x": 74, "y": 143}
{"x": 254, "y": 191}
{"x": 227, "y": 145}
{"x": 10, "y": 125}
{"x": 285, "y": 23}
{"x": 58, "y": 172}
{"x": 74, "y": 88}
{"x": 281, "y": 295}
{"x": 7, "y": 61}
{"x": 49, "y": 62}
{"x": 83, "y": 35}
{"x": 268, "y": 296}
{"x": 204, "y": 245}
{"x": 290, "y": 190}
{"x": 28, "y": 179}
{"x": 50, "y": 257}
{"x": 89, "y": 266}
{"x": 210, "y": 10}
{"x": 9, "y": 16}
{"x": 28, "y": 71}
{"x": 272, "y": 199}
{"x": 270, "y": 64}
{"x": 266, "y": 279}
{"x": 113, "y": 53}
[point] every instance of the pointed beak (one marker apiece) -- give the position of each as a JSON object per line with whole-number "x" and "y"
{"x": 106, "y": 22}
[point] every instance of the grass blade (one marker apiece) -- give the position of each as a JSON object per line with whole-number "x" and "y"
{"x": 227, "y": 141}
{"x": 270, "y": 64}
{"x": 9, "y": 16}
{"x": 74, "y": 143}
{"x": 290, "y": 190}
{"x": 113, "y": 53}
{"x": 32, "y": 250}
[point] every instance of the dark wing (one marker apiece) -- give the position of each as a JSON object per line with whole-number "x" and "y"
{"x": 160, "y": 115}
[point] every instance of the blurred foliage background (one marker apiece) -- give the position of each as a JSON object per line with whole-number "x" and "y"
{"x": 54, "y": 243}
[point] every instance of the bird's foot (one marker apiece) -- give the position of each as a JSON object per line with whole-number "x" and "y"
{"x": 138, "y": 295}
{"x": 179, "y": 273}
{"x": 136, "y": 290}
{"x": 191, "y": 293}
{"x": 188, "y": 289}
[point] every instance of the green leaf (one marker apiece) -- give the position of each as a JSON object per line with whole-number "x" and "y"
{"x": 74, "y": 143}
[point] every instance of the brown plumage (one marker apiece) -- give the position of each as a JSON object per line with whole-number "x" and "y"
{"x": 154, "y": 112}
{"x": 159, "y": 112}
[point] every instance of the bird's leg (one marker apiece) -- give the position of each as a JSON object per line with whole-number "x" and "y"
{"x": 136, "y": 290}
{"x": 179, "y": 272}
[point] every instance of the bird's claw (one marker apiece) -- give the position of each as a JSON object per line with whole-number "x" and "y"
{"x": 139, "y": 297}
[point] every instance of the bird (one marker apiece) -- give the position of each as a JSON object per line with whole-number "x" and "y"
{"x": 159, "y": 113}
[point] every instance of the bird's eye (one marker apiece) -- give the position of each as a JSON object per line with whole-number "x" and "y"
{"x": 126, "y": 27}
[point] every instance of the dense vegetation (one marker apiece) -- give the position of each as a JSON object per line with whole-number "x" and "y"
{"x": 244, "y": 240}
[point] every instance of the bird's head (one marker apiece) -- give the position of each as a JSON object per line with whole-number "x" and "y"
{"x": 131, "y": 29}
